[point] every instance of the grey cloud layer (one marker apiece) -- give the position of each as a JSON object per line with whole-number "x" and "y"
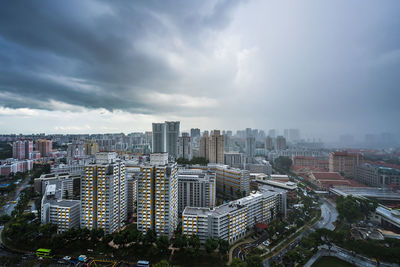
{"x": 90, "y": 54}
{"x": 324, "y": 66}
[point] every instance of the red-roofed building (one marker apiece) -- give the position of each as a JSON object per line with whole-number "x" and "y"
{"x": 345, "y": 163}
{"x": 311, "y": 163}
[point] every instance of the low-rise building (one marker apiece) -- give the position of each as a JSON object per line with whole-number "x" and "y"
{"x": 232, "y": 220}
{"x": 378, "y": 176}
{"x": 61, "y": 212}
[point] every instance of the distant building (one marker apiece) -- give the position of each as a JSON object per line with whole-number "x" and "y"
{"x": 195, "y": 132}
{"x": 75, "y": 150}
{"x": 216, "y": 148}
{"x": 269, "y": 143}
{"x": 44, "y": 147}
{"x": 172, "y": 134}
{"x": 345, "y": 163}
{"x": 165, "y": 137}
{"x": 184, "y": 147}
{"x": 259, "y": 167}
{"x": 196, "y": 188}
{"x": 22, "y": 149}
{"x": 378, "y": 176}
{"x": 204, "y": 146}
{"x": 250, "y": 146}
{"x": 280, "y": 143}
{"x": 64, "y": 182}
{"x": 300, "y": 162}
{"x": 91, "y": 148}
{"x": 234, "y": 159}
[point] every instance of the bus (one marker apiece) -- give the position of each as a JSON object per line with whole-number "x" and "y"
{"x": 44, "y": 253}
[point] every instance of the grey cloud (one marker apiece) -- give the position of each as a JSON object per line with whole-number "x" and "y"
{"x": 98, "y": 47}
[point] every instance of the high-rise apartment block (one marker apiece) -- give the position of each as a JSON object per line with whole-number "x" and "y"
{"x": 165, "y": 137}
{"x": 185, "y": 147}
{"x": 345, "y": 163}
{"x": 196, "y": 188}
{"x": 280, "y": 143}
{"x": 230, "y": 182}
{"x": 44, "y": 147}
{"x": 75, "y": 150}
{"x": 22, "y": 149}
{"x": 104, "y": 194}
{"x": 157, "y": 196}
{"x": 250, "y": 146}
{"x": 195, "y": 133}
{"x": 212, "y": 147}
{"x": 91, "y": 148}
{"x": 204, "y": 146}
{"x": 232, "y": 220}
{"x": 269, "y": 143}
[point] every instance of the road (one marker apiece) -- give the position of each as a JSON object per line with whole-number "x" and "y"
{"x": 328, "y": 217}
{"x": 9, "y": 207}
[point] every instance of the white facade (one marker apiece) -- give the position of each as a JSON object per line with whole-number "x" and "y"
{"x": 230, "y": 221}
{"x": 196, "y": 188}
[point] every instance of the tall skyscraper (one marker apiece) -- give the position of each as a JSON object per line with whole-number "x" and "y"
{"x": 250, "y": 146}
{"x": 216, "y": 148}
{"x": 159, "y": 142}
{"x": 104, "y": 194}
{"x": 195, "y": 132}
{"x": 272, "y": 133}
{"x": 269, "y": 143}
{"x": 172, "y": 134}
{"x": 184, "y": 147}
{"x": 165, "y": 137}
{"x": 157, "y": 196}
{"x": 44, "y": 146}
{"x": 22, "y": 149}
{"x": 280, "y": 143}
{"x": 204, "y": 146}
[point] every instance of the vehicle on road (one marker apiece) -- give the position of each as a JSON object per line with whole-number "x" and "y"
{"x": 44, "y": 253}
{"x": 83, "y": 258}
{"x": 67, "y": 258}
{"x": 266, "y": 243}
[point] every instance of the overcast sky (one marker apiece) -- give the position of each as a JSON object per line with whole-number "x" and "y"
{"x": 326, "y": 67}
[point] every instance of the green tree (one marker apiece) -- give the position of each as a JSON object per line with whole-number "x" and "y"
{"x": 254, "y": 260}
{"x": 4, "y": 219}
{"x": 283, "y": 163}
{"x": 162, "y": 263}
{"x": 237, "y": 263}
{"x": 223, "y": 246}
{"x": 180, "y": 241}
{"x": 163, "y": 243}
{"x": 48, "y": 229}
{"x": 211, "y": 245}
{"x": 349, "y": 209}
{"x": 194, "y": 242}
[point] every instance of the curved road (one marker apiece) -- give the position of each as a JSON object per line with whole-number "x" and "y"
{"x": 328, "y": 217}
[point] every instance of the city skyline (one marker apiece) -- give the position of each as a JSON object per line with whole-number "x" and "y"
{"x": 115, "y": 67}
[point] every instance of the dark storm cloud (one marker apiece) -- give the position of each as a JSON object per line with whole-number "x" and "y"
{"x": 86, "y": 53}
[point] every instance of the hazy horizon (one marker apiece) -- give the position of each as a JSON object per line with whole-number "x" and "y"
{"x": 326, "y": 68}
